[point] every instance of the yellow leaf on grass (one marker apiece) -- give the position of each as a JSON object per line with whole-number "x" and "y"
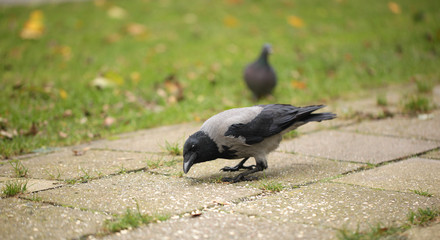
{"x": 34, "y": 26}
{"x": 114, "y": 77}
{"x": 230, "y": 21}
{"x": 295, "y": 21}
{"x": 63, "y": 94}
{"x": 116, "y": 12}
{"x": 298, "y": 85}
{"x": 136, "y": 29}
{"x": 394, "y": 7}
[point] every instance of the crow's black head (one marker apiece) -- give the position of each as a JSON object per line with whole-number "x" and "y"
{"x": 198, "y": 148}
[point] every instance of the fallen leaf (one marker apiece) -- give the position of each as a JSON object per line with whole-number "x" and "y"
{"x": 116, "y": 12}
{"x": 8, "y": 134}
{"x": 102, "y": 83}
{"x": 114, "y": 77}
{"x": 67, "y": 113}
{"x": 108, "y": 121}
{"x": 62, "y": 134}
{"x": 80, "y": 152}
{"x": 394, "y": 7}
{"x": 63, "y": 94}
{"x": 34, "y": 26}
{"x": 196, "y": 213}
{"x": 230, "y": 21}
{"x": 295, "y": 21}
{"x": 136, "y": 29}
{"x": 298, "y": 84}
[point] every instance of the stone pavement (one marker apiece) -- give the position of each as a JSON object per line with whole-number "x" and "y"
{"x": 349, "y": 173}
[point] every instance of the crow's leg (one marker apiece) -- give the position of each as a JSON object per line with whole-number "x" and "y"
{"x": 261, "y": 165}
{"x": 238, "y": 167}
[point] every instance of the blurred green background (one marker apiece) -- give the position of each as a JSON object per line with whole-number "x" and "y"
{"x": 73, "y": 72}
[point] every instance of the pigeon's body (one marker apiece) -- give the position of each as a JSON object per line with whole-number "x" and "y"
{"x": 259, "y": 76}
{"x": 247, "y": 132}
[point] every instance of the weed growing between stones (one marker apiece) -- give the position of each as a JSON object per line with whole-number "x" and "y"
{"x": 132, "y": 219}
{"x": 421, "y": 217}
{"x": 19, "y": 169}
{"x": 13, "y": 188}
{"x": 422, "y": 193}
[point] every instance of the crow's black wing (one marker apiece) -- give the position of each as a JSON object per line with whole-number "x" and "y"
{"x": 273, "y": 119}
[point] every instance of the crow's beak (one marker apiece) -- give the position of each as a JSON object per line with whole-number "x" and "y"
{"x": 188, "y": 161}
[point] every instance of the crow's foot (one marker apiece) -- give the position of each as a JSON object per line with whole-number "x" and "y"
{"x": 238, "y": 167}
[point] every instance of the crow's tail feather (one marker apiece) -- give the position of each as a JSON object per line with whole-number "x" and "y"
{"x": 318, "y": 117}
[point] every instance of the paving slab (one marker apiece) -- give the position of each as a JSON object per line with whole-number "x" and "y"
{"x": 423, "y": 233}
{"x": 368, "y": 106}
{"x": 408, "y": 175}
{"x": 335, "y": 205}
{"x": 22, "y": 219}
{"x": 64, "y": 164}
{"x": 154, "y": 193}
{"x": 289, "y": 169}
{"x": 423, "y": 127}
{"x": 356, "y": 147}
{"x": 151, "y": 140}
{"x": 220, "y": 225}
{"x": 32, "y": 185}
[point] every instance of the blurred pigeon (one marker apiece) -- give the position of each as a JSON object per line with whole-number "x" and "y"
{"x": 259, "y": 75}
{"x": 247, "y": 132}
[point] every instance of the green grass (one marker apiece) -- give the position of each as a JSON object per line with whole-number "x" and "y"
{"x": 49, "y": 97}
{"x": 424, "y": 86}
{"x": 271, "y": 186}
{"x": 423, "y": 216}
{"x": 19, "y": 169}
{"x": 422, "y": 193}
{"x": 417, "y": 104}
{"x": 131, "y": 220}
{"x": 381, "y": 100}
{"x": 173, "y": 148}
{"x": 13, "y": 188}
{"x": 159, "y": 162}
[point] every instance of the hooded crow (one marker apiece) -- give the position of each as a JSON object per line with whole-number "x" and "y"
{"x": 259, "y": 75}
{"x": 246, "y": 132}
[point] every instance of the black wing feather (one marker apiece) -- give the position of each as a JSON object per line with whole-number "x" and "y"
{"x": 273, "y": 119}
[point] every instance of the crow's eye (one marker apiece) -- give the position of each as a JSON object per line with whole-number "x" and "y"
{"x": 193, "y": 147}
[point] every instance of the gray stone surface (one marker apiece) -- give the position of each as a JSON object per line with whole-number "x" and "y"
{"x": 22, "y": 219}
{"x": 289, "y": 169}
{"x": 335, "y": 205}
{"x": 356, "y": 147}
{"x": 424, "y": 127}
{"x": 220, "y": 225}
{"x": 424, "y": 233}
{"x": 32, "y": 185}
{"x": 64, "y": 164}
{"x": 154, "y": 194}
{"x": 151, "y": 140}
{"x": 408, "y": 175}
{"x": 368, "y": 107}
